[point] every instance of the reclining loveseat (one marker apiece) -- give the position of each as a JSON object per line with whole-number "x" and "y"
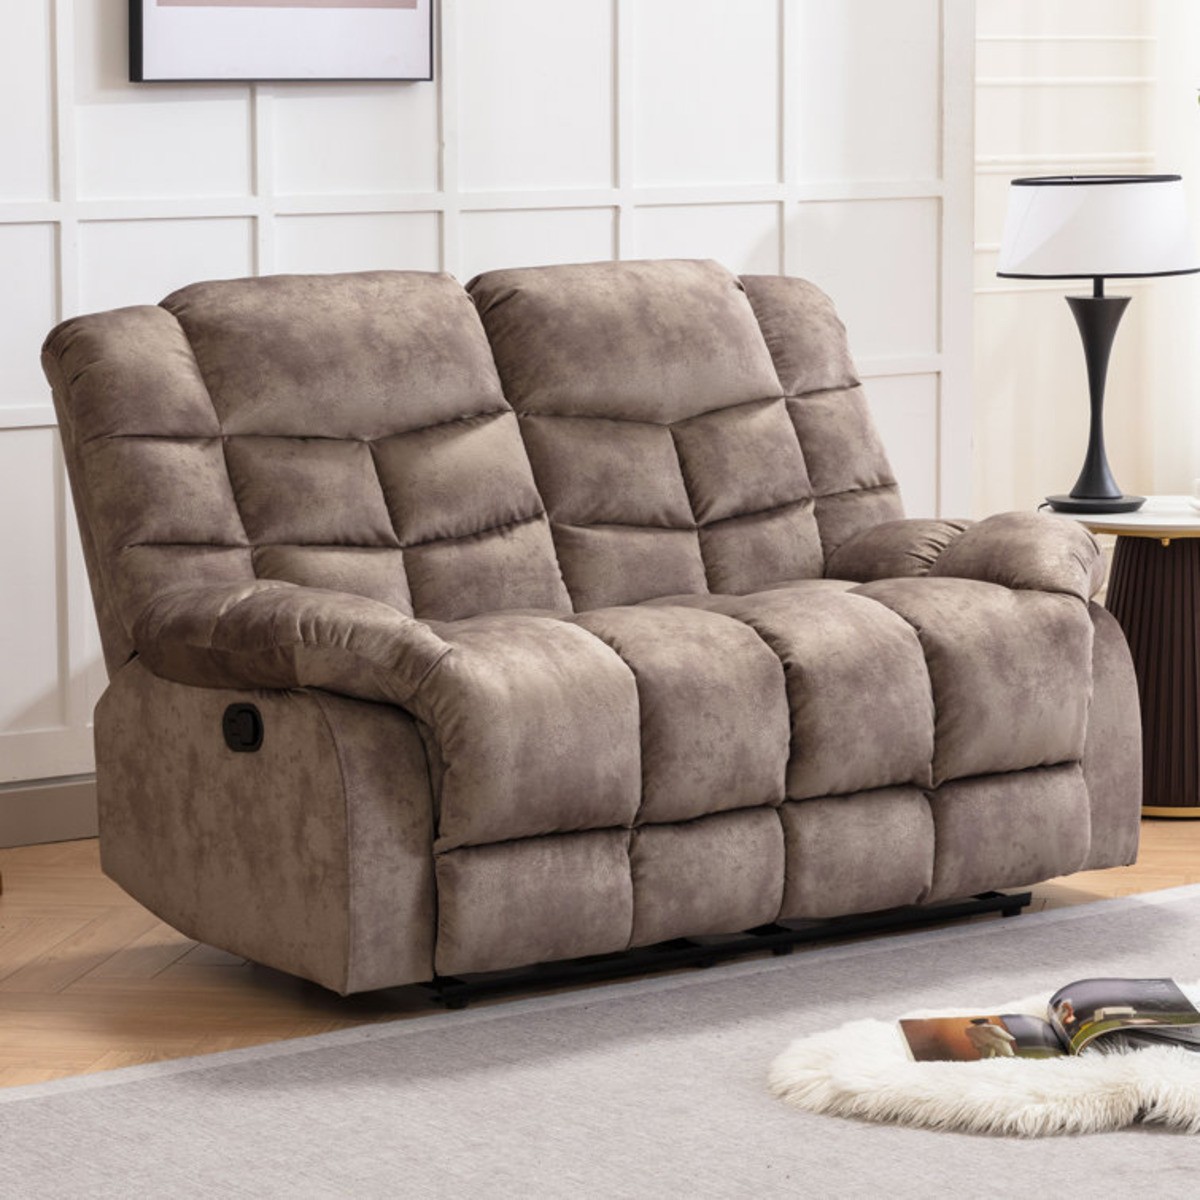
{"x": 456, "y": 630}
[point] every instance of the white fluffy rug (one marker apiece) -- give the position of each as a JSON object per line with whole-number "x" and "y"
{"x": 862, "y": 1069}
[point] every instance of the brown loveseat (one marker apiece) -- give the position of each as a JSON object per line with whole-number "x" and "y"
{"x": 578, "y": 613}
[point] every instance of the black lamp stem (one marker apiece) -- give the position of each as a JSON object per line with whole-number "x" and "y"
{"x": 1095, "y": 490}
{"x": 1097, "y": 317}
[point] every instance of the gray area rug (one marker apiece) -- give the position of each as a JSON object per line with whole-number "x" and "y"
{"x": 650, "y": 1088}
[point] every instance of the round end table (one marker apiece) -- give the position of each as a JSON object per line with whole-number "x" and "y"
{"x": 1154, "y": 592}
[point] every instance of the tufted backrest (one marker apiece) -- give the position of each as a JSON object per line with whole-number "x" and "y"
{"x": 344, "y": 432}
{"x": 688, "y": 431}
{"x": 675, "y": 430}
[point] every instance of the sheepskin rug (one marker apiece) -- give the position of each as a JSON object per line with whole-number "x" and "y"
{"x": 862, "y": 1069}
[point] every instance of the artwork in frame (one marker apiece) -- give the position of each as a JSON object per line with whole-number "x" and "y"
{"x": 206, "y": 40}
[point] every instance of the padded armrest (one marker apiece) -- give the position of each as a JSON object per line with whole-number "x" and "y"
{"x": 1022, "y": 550}
{"x": 272, "y": 634}
{"x": 1030, "y": 551}
{"x": 893, "y": 549}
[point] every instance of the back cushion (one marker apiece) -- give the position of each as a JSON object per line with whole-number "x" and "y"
{"x": 369, "y": 445}
{"x": 665, "y": 409}
{"x": 343, "y": 432}
{"x": 852, "y": 481}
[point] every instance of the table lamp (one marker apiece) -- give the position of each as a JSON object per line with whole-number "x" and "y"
{"x": 1097, "y": 227}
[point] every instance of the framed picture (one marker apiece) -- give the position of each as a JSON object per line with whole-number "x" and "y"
{"x": 205, "y": 40}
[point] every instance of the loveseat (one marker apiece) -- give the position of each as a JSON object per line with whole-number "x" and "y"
{"x": 451, "y": 630}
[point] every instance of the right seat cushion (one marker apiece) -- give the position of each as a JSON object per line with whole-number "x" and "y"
{"x": 1010, "y": 671}
{"x": 858, "y": 691}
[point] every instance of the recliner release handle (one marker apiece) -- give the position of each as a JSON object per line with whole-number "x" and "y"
{"x": 242, "y": 726}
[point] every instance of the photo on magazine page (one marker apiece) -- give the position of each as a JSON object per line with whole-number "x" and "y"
{"x": 1091, "y": 1008}
{"x": 970, "y": 1039}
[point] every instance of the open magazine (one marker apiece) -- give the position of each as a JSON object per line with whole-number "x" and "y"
{"x": 1109, "y": 1013}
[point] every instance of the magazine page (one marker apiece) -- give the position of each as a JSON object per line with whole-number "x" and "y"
{"x": 1089, "y": 1008}
{"x": 970, "y": 1039}
{"x": 1134, "y": 1039}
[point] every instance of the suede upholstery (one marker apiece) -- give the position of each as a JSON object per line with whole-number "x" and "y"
{"x": 1112, "y": 754}
{"x": 305, "y": 856}
{"x": 581, "y": 613}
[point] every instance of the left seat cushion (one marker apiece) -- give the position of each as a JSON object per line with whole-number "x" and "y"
{"x": 714, "y": 714}
{"x": 531, "y": 726}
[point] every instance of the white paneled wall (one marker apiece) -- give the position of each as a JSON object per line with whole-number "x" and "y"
{"x": 825, "y": 138}
{"x": 1171, "y": 397}
{"x": 1063, "y": 87}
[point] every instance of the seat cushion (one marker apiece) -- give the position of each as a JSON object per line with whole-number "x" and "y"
{"x": 688, "y": 706}
{"x": 531, "y": 725}
{"x": 857, "y": 688}
{"x": 713, "y": 709}
{"x": 1010, "y": 671}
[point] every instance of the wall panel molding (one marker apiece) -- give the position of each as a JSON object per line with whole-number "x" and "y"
{"x": 1063, "y": 81}
{"x": 55, "y": 810}
{"x": 1016, "y": 164}
{"x": 1066, "y": 39}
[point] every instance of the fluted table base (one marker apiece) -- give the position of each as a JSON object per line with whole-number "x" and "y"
{"x": 1154, "y": 592}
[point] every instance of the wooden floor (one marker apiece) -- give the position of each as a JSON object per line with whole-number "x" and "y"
{"x": 89, "y": 980}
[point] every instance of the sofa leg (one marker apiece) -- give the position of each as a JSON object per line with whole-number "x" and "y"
{"x": 775, "y": 938}
{"x": 1008, "y": 910}
{"x": 450, "y": 992}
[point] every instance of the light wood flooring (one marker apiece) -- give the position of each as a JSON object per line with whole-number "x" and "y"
{"x": 89, "y": 980}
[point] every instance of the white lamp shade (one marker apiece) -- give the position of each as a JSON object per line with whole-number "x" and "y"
{"x": 1080, "y": 226}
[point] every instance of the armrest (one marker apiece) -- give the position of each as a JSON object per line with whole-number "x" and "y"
{"x": 1028, "y": 551}
{"x": 272, "y": 634}
{"x": 893, "y": 549}
{"x": 1022, "y": 550}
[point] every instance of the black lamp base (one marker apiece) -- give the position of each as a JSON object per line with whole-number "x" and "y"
{"x": 1081, "y": 504}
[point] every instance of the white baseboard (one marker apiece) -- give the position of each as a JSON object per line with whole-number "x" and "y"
{"x": 48, "y": 810}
